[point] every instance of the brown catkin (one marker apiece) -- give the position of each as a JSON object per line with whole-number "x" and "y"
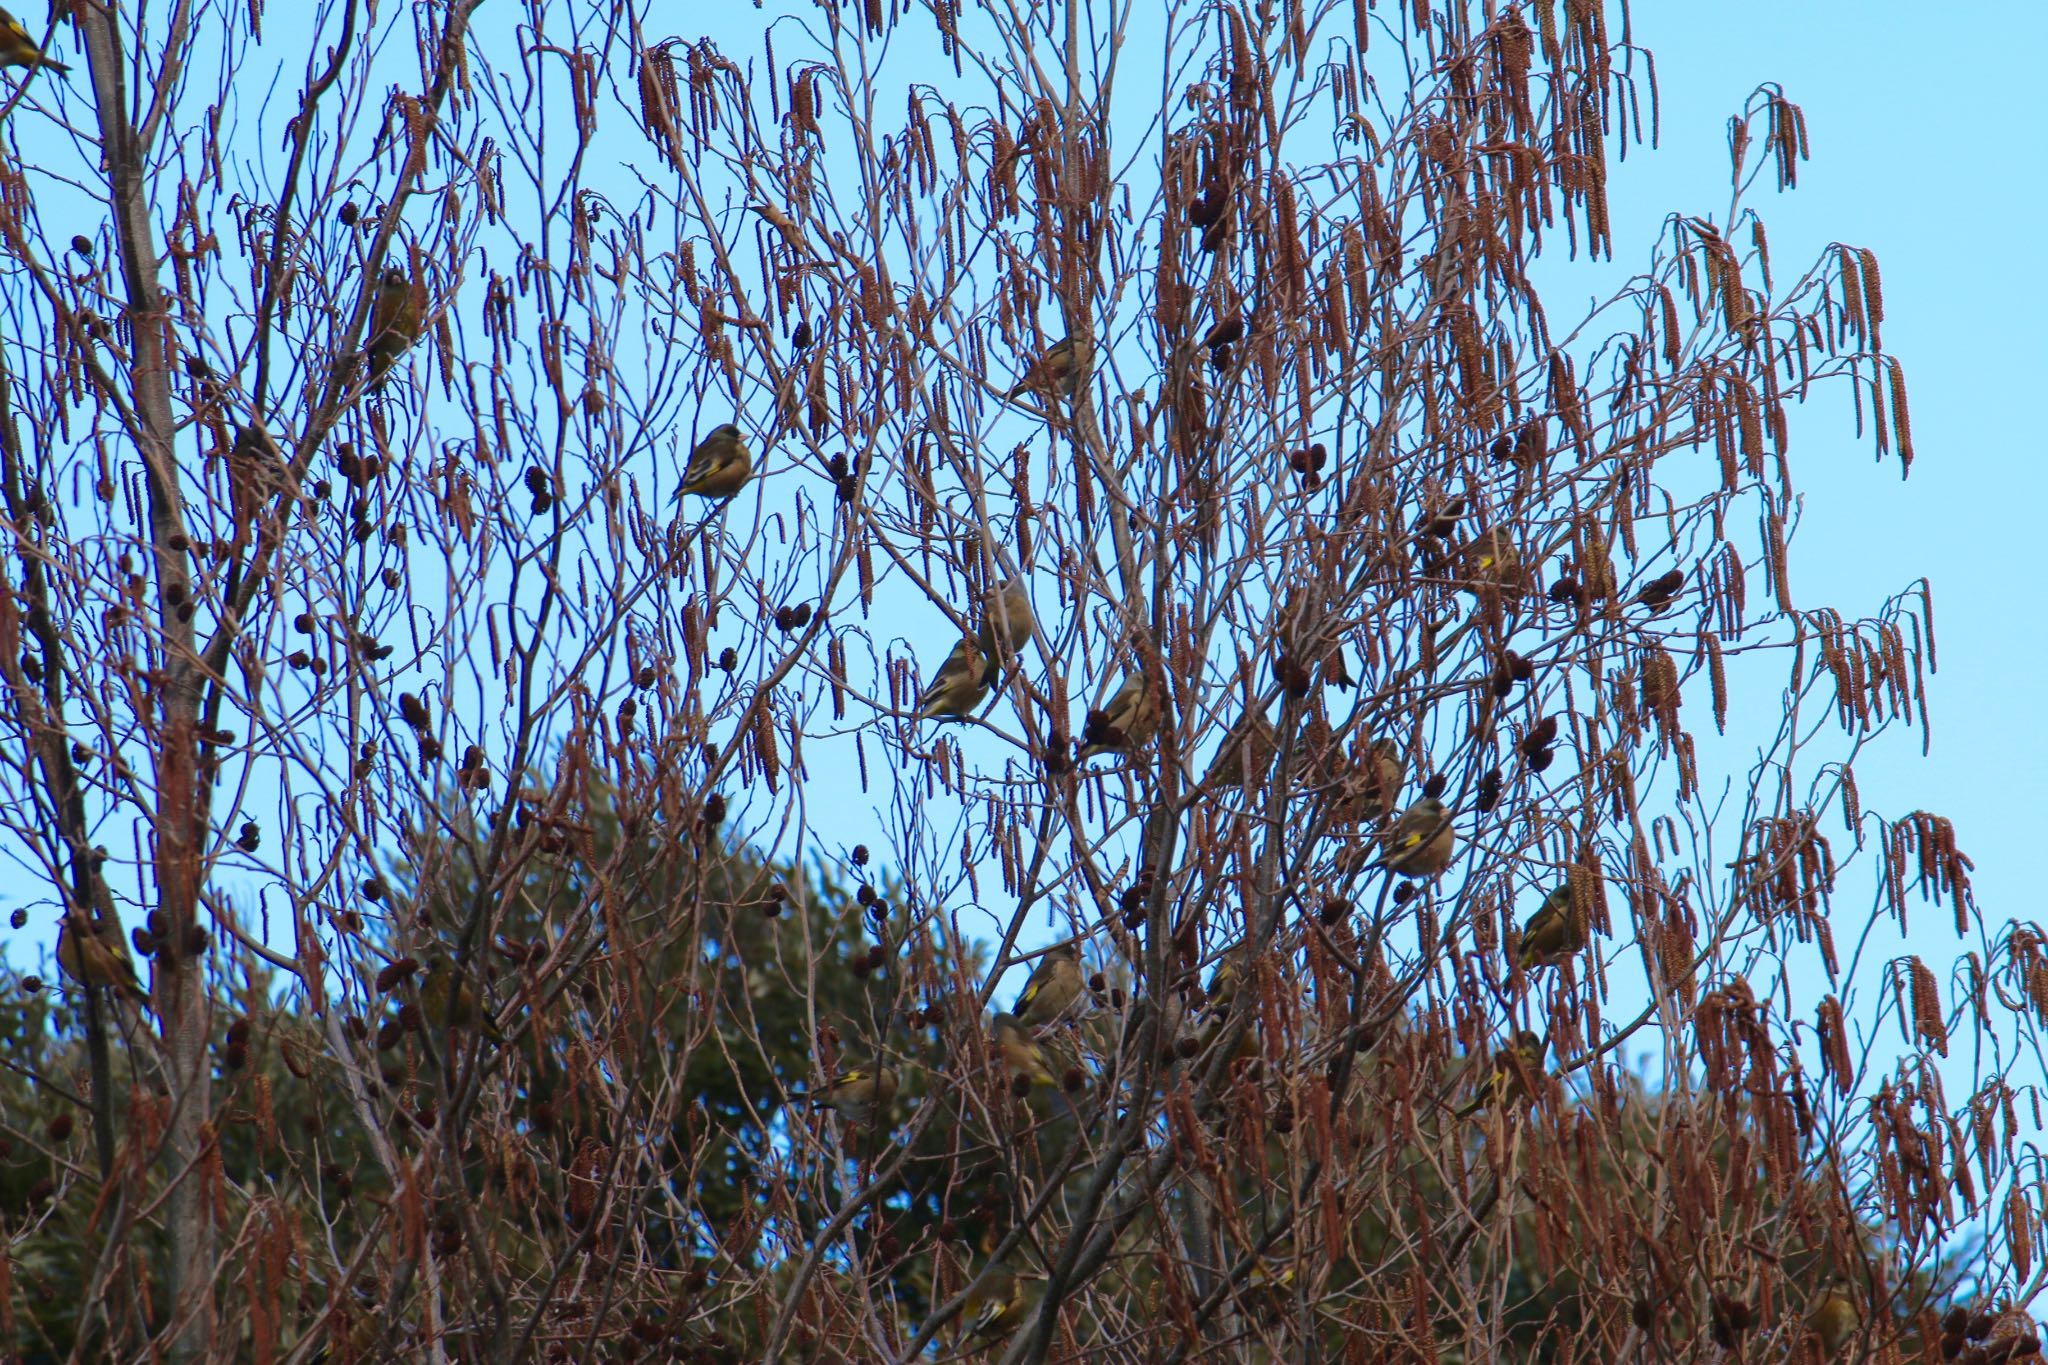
{"x": 1873, "y": 290}
{"x": 1902, "y": 422}
{"x": 1927, "y": 1020}
{"x": 2019, "y": 1232}
{"x": 1672, "y": 355}
{"x": 1717, "y": 674}
{"x": 1851, "y": 276}
{"x": 1834, "y": 1044}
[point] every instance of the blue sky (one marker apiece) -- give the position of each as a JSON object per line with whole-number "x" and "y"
{"x": 1926, "y": 126}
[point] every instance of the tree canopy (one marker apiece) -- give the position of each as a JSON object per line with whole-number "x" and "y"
{"x": 910, "y": 681}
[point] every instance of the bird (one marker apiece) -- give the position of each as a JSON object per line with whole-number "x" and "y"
{"x": 1658, "y": 592}
{"x": 94, "y": 955}
{"x": 719, "y": 466}
{"x": 1020, "y": 1052}
{"x": 1053, "y": 987}
{"x": 448, "y": 1001}
{"x": 1421, "y": 842}
{"x": 957, "y": 689}
{"x": 17, "y": 48}
{"x": 1248, "y": 749}
{"x": 1172, "y": 1022}
{"x": 1266, "y": 1292}
{"x": 1003, "y": 1305}
{"x": 1006, "y": 622}
{"x": 1489, "y": 558}
{"x": 1553, "y": 933}
{"x": 1375, "y": 780}
{"x": 396, "y": 319}
{"x": 1518, "y": 1067}
{"x": 1834, "y": 1320}
{"x": 1225, "y": 980}
{"x": 1221, "y": 997}
{"x": 1128, "y": 720}
{"x": 1058, "y": 370}
{"x": 859, "y": 1094}
{"x": 257, "y": 473}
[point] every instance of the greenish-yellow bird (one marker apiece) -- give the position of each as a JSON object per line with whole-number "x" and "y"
{"x": 719, "y": 466}
{"x": 1053, "y": 986}
{"x": 18, "y": 48}
{"x": 1553, "y": 933}
{"x": 1019, "y": 1051}
{"x": 1058, "y": 371}
{"x": 397, "y": 316}
{"x": 93, "y": 956}
{"x": 449, "y": 1001}
{"x": 1006, "y": 622}
{"x": 1421, "y": 842}
{"x": 1129, "y": 720}
{"x": 860, "y": 1094}
{"x": 957, "y": 690}
{"x": 1834, "y": 1320}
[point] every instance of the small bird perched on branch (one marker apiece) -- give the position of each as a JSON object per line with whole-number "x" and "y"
{"x": 1518, "y": 1067}
{"x": 1490, "y": 558}
{"x": 719, "y": 466}
{"x": 396, "y": 320}
{"x": 94, "y": 955}
{"x": 1058, "y": 371}
{"x": 859, "y": 1094}
{"x": 1001, "y": 1306}
{"x": 1421, "y": 842}
{"x": 1834, "y": 1320}
{"x": 257, "y": 474}
{"x": 1552, "y": 933}
{"x": 449, "y": 1001}
{"x": 957, "y": 689}
{"x": 1129, "y": 719}
{"x": 1019, "y": 1051}
{"x": 1247, "y": 750}
{"x": 17, "y": 48}
{"x": 1374, "y": 781}
{"x": 1053, "y": 987}
{"x": 1006, "y": 622}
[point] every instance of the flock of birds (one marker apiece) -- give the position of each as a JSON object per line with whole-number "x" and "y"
{"x": 1420, "y": 844}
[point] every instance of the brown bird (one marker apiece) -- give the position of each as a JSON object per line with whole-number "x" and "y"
{"x": 18, "y": 48}
{"x": 1421, "y": 842}
{"x": 257, "y": 474}
{"x": 397, "y": 315}
{"x": 1053, "y": 987}
{"x": 1059, "y": 371}
{"x": 1246, "y": 750}
{"x": 94, "y": 955}
{"x": 1374, "y": 782}
{"x": 1130, "y": 718}
{"x": 720, "y": 465}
